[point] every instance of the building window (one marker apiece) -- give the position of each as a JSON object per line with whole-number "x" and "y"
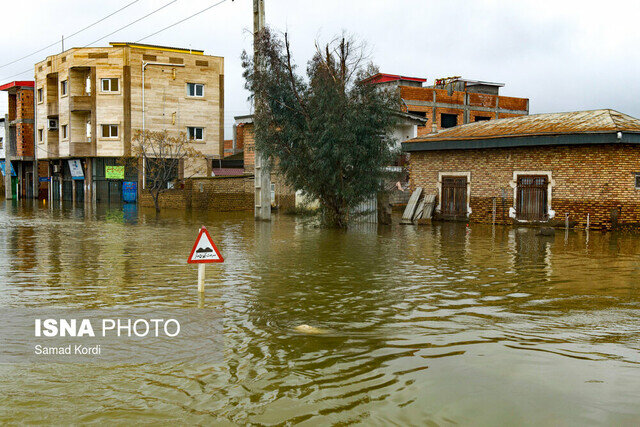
{"x": 482, "y": 118}
{"x": 195, "y": 89}
{"x": 637, "y": 180}
{"x": 531, "y": 197}
{"x": 40, "y": 133}
{"x": 63, "y": 88}
{"x": 64, "y": 131}
{"x": 195, "y": 134}
{"x": 448, "y": 120}
{"x": 109, "y": 131}
{"x": 40, "y": 98}
{"x": 110, "y": 85}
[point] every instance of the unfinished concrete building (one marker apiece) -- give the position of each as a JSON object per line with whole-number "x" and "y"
{"x": 451, "y": 101}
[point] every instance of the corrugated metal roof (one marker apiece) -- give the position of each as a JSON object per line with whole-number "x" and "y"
{"x": 578, "y": 122}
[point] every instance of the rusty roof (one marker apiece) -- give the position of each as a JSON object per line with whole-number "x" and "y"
{"x": 578, "y": 122}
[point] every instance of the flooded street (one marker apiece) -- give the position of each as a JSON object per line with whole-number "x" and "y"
{"x": 442, "y": 324}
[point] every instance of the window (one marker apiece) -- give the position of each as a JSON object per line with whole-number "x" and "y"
{"x": 448, "y": 120}
{"x": 64, "y": 131}
{"x": 482, "y": 118}
{"x": 40, "y": 95}
{"x": 195, "y": 89}
{"x": 195, "y": 134}
{"x": 40, "y": 133}
{"x": 531, "y": 197}
{"x": 637, "y": 180}
{"x": 109, "y": 131}
{"x": 110, "y": 85}
{"x": 63, "y": 88}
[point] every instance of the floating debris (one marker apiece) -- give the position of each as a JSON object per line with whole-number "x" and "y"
{"x": 306, "y": 329}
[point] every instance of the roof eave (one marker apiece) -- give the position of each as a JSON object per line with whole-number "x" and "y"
{"x": 524, "y": 141}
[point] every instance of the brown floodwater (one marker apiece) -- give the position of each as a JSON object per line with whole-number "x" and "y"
{"x": 443, "y": 324}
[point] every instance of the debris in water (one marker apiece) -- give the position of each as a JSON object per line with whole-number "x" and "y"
{"x": 306, "y": 329}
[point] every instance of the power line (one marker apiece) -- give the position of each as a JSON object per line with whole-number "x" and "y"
{"x": 182, "y": 20}
{"x": 104, "y": 37}
{"x": 68, "y": 37}
{"x": 131, "y": 23}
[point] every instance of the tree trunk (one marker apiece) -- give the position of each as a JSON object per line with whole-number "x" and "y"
{"x": 155, "y": 195}
{"x": 334, "y": 216}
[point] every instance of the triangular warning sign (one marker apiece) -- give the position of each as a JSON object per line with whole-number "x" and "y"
{"x": 204, "y": 250}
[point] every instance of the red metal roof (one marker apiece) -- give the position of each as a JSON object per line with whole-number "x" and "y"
{"x": 227, "y": 171}
{"x": 17, "y": 83}
{"x": 383, "y": 78}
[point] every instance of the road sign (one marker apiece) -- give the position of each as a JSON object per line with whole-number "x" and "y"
{"x": 76, "y": 169}
{"x": 204, "y": 250}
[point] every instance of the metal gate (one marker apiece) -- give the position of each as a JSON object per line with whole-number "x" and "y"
{"x": 454, "y": 196}
{"x": 531, "y": 198}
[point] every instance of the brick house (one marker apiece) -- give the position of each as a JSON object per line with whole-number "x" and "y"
{"x": 19, "y": 138}
{"x": 534, "y": 169}
{"x": 452, "y": 101}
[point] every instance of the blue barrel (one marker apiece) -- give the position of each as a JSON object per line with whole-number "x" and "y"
{"x": 129, "y": 191}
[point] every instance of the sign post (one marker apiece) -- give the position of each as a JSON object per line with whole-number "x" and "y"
{"x": 204, "y": 251}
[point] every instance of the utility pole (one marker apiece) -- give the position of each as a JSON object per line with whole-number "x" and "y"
{"x": 262, "y": 177}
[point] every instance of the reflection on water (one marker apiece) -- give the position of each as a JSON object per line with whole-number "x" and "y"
{"x": 442, "y": 324}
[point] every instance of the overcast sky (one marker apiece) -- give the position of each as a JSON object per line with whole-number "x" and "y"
{"x": 563, "y": 55}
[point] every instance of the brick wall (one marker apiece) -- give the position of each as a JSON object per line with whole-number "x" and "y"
{"x": 24, "y": 131}
{"x": 225, "y": 193}
{"x": 245, "y": 139}
{"x": 219, "y": 193}
{"x": 589, "y": 179}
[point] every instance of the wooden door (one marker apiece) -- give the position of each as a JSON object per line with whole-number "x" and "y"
{"x": 454, "y": 196}
{"x": 531, "y": 198}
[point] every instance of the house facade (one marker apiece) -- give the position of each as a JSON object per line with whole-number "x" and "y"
{"x": 91, "y": 101}
{"x": 18, "y": 142}
{"x": 582, "y": 167}
{"x": 451, "y": 101}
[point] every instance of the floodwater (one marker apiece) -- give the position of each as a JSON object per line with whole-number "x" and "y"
{"x": 436, "y": 325}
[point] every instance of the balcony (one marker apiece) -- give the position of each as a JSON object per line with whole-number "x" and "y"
{"x": 81, "y": 148}
{"x": 80, "y": 103}
{"x": 52, "y": 110}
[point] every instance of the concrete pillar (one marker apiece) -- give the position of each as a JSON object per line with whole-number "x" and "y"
{"x": 88, "y": 182}
{"x": 7, "y": 158}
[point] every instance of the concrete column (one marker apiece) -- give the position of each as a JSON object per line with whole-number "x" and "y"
{"x": 7, "y": 158}
{"x": 88, "y": 181}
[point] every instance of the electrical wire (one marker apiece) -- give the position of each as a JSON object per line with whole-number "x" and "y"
{"x": 131, "y": 23}
{"x": 110, "y": 34}
{"x": 182, "y": 20}
{"x": 68, "y": 37}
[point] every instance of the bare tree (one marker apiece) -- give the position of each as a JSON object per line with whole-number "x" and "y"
{"x": 160, "y": 157}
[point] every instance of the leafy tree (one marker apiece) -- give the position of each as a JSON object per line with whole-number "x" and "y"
{"x": 162, "y": 156}
{"x": 326, "y": 134}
